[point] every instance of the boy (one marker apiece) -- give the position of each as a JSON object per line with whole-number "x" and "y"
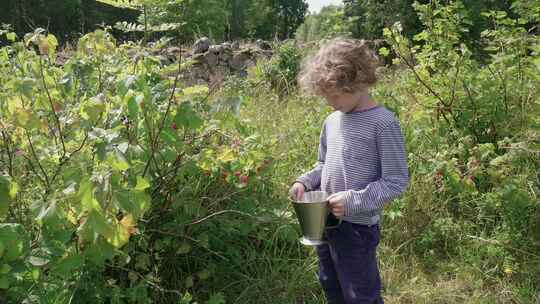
{"x": 361, "y": 162}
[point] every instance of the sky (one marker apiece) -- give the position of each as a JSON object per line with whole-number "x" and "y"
{"x": 316, "y": 5}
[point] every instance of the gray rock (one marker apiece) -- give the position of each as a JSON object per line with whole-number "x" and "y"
{"x": 226, "y": 45}
{"x": 266, "y": 54}
{"x": 198, "y": 58}
{"x": 211, "y": 58}
{"x": 225, "y": 56}
{"x": 238, "y": 61}
{"x": 263, "y": 45}
{"x": 201, "y": 45}
{"x": 216, "y": 49}
{"x": 199, "y": 72}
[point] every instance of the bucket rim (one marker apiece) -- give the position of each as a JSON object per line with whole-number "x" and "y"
{"x": 311, "y": 202}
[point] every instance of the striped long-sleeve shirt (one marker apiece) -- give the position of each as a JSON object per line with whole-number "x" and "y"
{"x": 363, "y": 154}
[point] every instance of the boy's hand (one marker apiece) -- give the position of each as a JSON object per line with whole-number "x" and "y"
{"x": 297, "y": 191}
{"x": 337, "y": 204}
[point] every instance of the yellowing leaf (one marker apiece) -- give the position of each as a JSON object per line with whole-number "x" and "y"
{"x": 43, "y": 46}
{"x": 123, "y": 230}
{"x": 128, "y": 223}
{"x": 226, "y": 155}
{"x": 14, "y": 105}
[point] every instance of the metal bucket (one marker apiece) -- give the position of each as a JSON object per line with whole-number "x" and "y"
{"x": 312, "y": 212}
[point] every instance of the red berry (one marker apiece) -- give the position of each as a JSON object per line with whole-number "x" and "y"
{"x": 237, "y": 173}
{"x": 173, "y": 125}
{"x": 244, "y": 179}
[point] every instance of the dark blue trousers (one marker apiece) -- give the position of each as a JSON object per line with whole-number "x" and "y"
{"x": 348, "y": 269}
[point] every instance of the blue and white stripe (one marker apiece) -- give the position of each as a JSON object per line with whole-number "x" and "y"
{"x": 362, "y": 153}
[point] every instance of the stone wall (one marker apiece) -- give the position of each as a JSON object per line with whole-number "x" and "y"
{"x": 213, "y": 62}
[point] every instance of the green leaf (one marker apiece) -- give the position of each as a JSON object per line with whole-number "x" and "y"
{"x": 216, "y": 298}
{"x": 99, "y": 224}
{"x": 92, "y": 109}
{"x": 188, "y": 282}
{"x": 187, "y": 117}
{"x": 133, "y": 108}
{"x": 48, "y": 212}
{"x": 117, "y": 161}
{"x": 8, "y": 191}
{"x": 203, "y": 274}
{"x": 142, "y": 200}
{"x": 86, "y": 193}
{"x": 168, "y": 137}
{"x": 123, "y": 200}
{"x": 204, "y": 240}
{"x": 11, "y": 36}
{"x": 25, "y": 86}
{"x": 100, "y": 251}
{"x": 384, "y": 51}
{"x": 184, "y": 248}
{"x": 35, "y": 274}
{"x": 12, "y": 236}
{"x": 4, "y": 282}
{"x": 186, "y": 298}
{"x": 142, "y": 184}
{"x": 5, "y": 269}
{"x": 125, "y": 84}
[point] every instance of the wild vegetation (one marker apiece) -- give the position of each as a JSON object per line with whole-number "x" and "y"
{"x": 119, "y": 184}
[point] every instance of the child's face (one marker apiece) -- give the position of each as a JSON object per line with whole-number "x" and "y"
{"x": 343, "y": 102}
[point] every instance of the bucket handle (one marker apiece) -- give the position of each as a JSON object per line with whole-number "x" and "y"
{"x": 335, "y": 226}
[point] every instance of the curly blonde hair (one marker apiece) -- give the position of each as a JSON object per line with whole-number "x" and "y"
{"x": 342, "y": 65}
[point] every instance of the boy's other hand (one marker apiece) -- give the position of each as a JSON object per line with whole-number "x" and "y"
{"x": 337, "y": 204}
{"x": 297, "y": 191}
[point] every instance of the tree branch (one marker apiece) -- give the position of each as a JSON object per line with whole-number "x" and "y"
{"x": 49, "y": 98}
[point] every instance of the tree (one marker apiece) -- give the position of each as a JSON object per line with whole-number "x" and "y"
{"x": 329, "y": 22}
{"x": 66, "y": 19}
{"x": 368, "y": 17}
{"x": 290, "y": 15}
{"x": 280, "y": 18}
